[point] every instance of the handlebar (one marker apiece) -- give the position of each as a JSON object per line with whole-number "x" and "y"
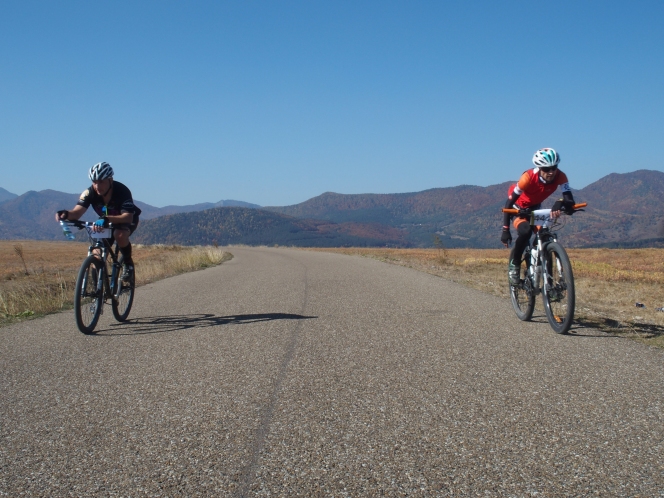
{"x": 516, "y": 211}
{"x": 89, "y": 226}
{"x": 83, "y": 224}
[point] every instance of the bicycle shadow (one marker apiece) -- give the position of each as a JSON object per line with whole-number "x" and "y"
{"x": 615, "y": 328}
{"x": 171, "y": 323}
{"x": 608, "y": 328}
{"x": 581, "y": 327}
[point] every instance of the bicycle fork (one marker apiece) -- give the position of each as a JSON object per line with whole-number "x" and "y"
{"x": 99, "y": 289}
{"x": 534, "y": 265}
{"x": 105, "y": 288}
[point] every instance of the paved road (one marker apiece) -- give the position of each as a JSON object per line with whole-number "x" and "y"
{"x": 286, "y": 373}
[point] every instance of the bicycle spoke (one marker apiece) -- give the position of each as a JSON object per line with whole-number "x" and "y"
{"x": 559, "y": 289}
{"x": 523, "y": 295}
{"x": 124, "y": 299}
{"x": 88, "y": 297}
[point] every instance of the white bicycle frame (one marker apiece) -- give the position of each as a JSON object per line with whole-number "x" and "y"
{"x": 543, "y": 219}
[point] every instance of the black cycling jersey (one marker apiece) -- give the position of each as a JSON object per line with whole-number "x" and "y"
{"x": 121, "y": 201}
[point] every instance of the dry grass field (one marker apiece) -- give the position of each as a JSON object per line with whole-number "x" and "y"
{"x": 38, "y": 277}
{"x": 609, "y": 282}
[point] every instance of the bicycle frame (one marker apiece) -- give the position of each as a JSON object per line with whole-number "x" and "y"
{"x": 101, "y": 248}
{"x": 548, "y": 271}
{"x": 536, "y": 264}
{"x": 94, "y": 284}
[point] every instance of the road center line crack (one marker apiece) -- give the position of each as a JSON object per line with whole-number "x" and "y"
{"x": 249, "y": 472}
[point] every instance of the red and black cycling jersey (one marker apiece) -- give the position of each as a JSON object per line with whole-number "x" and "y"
{"x": 120, "y": 202}
{"x": 531, "y": 190}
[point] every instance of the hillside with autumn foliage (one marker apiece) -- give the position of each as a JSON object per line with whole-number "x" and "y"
{"x": 623, "y": 210}
{"x": 235, "y": 225}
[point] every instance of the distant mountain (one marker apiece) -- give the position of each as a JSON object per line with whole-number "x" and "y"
{"x": 5, "y": 195}
{"x": 148, "y": 212}
{"x": 32, "y": 215}
{"x": 622, "y": 208}
{"x": 392, "y": 209}
{"x": 442, "y": 211}
{"x": 236, "y": 225}
{"x": 639, "y": 192}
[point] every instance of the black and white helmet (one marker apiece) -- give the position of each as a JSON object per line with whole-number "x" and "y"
{"x": 546, "y": 158}
{"x": 100, "y": 171}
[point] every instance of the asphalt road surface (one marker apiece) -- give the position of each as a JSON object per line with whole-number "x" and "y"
{"x": 296, "y": 373}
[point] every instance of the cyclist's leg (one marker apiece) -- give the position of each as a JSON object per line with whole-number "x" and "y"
{"x": 524, "y": 232}
{"x": 122, "y": 233}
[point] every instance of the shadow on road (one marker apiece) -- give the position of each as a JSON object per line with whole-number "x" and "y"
{"x": 581, "y": 327}
{"x": 608, "y": 328}
{"x": 160, "y": 324}
{"x": 611, "y": 326}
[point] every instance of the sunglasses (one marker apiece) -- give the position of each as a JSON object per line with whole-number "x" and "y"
{"x": 548, "y": 169}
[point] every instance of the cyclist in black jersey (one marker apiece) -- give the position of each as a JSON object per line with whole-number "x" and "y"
{"x": 113, "y": 202}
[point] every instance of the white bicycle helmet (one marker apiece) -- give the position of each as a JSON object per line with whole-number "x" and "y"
{"x": 546, "y": 158}
{"x": 100, "y": 171}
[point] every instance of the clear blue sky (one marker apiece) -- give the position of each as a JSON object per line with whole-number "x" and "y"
{"x": 276, "y": 102}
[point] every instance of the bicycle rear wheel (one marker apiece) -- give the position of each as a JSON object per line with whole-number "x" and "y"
{"x": 523, "y": 295}
{"x": 558, "y": 288}
{"x": 123, "y": 299}
{"x": 88, "y": 296}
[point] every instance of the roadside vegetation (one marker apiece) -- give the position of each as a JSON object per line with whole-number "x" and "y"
{"x": 609, "y": 282}
{"x": 38, "y": 277}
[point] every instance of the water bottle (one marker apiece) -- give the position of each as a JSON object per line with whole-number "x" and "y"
{"x": 67, "y": 231}
{"x": 538, "y": 273}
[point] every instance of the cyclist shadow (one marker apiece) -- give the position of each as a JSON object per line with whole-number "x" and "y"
{"x": 171, "y": 323}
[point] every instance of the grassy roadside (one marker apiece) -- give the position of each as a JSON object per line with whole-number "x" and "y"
{"x": 609, "y": 282}
{"x": 37, "y": 277}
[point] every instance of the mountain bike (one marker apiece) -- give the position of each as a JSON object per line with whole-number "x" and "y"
{"x": 547, "y": 270}
{"x": 94, "y": 284}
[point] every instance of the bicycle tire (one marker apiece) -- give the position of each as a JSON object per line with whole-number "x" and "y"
{"x": 523, "y": 295}
{"x": 558, "y": 288}
{"x": 88, "y": 298}
{"x": 125, "y": 298}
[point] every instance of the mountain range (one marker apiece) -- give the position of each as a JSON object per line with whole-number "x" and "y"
{"x": 622, "y": 208}
{"x": 31, "y": 215}
{"x": 6, "y": 195}
{"x": 627, "y": 207}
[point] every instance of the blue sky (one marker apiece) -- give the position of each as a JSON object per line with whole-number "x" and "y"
{"x": 277, "y": 102}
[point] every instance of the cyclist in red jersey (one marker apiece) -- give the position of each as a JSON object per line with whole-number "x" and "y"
{"x": 113, "y": 202}
{"x": 534, "y": 186}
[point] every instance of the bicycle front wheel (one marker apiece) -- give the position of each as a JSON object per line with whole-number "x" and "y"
{"x": 558, "y": 289}
{"x": 124, "y": 296}
{"x": 88, "y": 297}
{"x": 523, "y": 295}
